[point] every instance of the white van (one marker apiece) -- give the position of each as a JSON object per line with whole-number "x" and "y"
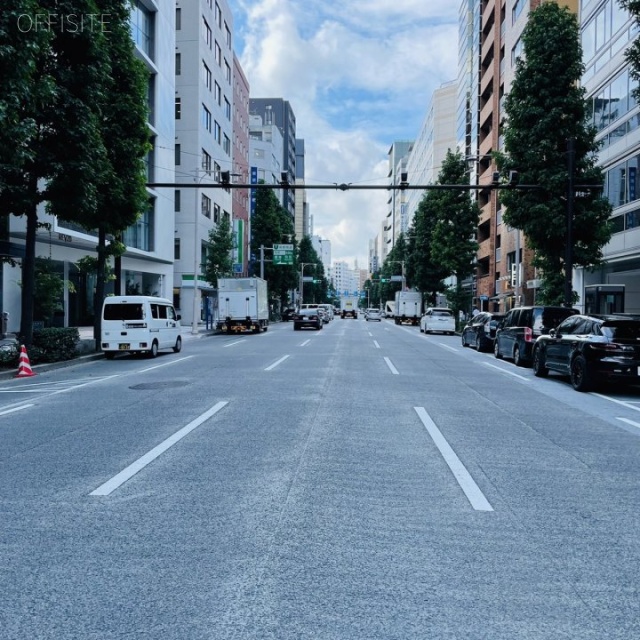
{"x": 139, "y": 324}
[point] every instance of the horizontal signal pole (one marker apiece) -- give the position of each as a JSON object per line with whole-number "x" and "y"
{"x": 350, "y": 187}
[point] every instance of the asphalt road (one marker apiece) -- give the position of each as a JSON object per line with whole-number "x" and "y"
{"x": 360, "y": 482}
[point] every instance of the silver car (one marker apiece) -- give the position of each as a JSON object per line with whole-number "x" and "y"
{"x": 373, "y": 314}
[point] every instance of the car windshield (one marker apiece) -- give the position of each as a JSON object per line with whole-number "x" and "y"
{"x": 308, "y": 312}
{"x": 442, "y": 313}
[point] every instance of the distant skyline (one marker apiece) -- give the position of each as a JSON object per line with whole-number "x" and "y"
{"x": 358, "y": 79}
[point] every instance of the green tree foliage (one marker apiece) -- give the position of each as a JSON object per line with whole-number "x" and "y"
{"x": 313, "y": 291}
{"x": 544, "y": 108}
{"x": 272, "y": 224}
{"x": 48, "y": 100}
{"x": 219, "y": 261}
{"x": 632, "y": 54}
{"x": 453, "y": 244}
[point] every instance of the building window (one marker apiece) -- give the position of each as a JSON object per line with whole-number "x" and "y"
{"x": 227, "y": 145}
{"x": 217, "y": 133}
{"x": 206, "y": 75}
{"x": 227, "y": 34}
{"x": 218, "y": 54}
{"x": 206, "y": 33}
{"x": 517, "y": 10}
{"x": 206, "y": 206}
{"x": 177, "y": 154}
{"x": 178, "y": 108}
{"x": 227, "y": 71}
{"x": 218, "y": 15}
{"x": 141, "y": 24}
{"x": 140, "y": 234}
{"x": 206, "y": 118}
{"x": 176, "y": 200}
{"x": 178, "y": 18}
{"x": 216, "y": 213}
{"x": 206, "y": 161}
{"x": 217, "y": 93}
{"x": 176, "y": 248}
{"x": 178, "y": 64}
{"x": 227, "y": 109}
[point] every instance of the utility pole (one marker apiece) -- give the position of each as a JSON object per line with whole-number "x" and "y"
{"x": 568, "y": 260}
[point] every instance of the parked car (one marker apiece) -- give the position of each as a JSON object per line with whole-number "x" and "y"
{"x": 438, "y": 319}
{"x": 373, "y": 314}
{"x": 288, "y": 314}
{"x": 522, "y": 326}
{"x": 590, "y": 349}
{"x": 328, "y": 309}
{"x": 480, "y": 331}
{"x": 308, "y": 318}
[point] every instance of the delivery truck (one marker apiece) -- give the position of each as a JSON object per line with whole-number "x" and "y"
{"x": 349, "y": 307}
{"x": 389, "y": 308}
{"x": 408, "y": 307}
{"x": 243, "y": 305}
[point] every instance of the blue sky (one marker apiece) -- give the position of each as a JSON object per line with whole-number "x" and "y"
{"x": 359, "y": 74}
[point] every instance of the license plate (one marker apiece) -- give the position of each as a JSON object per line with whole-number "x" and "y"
{"x": 124, "y": 347}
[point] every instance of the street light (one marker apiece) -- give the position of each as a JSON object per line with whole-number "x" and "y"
{"x": 302, "y": 266}
{"x": 404, "y": 280}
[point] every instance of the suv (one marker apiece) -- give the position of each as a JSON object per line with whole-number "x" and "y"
{"x": 590, "y": 349}
{"x": 520, "y": 329}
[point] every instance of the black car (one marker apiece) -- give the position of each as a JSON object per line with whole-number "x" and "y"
{"x": 480, "y": 331}
{"x": 590, "y": 349}
{"x": 307, "y": 318}
{"x": 521, "y": 327}
{"x": 288, "y": 314}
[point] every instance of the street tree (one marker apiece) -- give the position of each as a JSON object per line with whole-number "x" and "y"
{"x": 58, "y": 155}
{"x": 544, "y": 109}
{"x": 312, "y": 291}
{"x": 219, "y": 260}
{"x": 271, "y": 224}
{"x": 453, "y": 243}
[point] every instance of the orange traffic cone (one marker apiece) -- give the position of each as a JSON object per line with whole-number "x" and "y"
{"x": 24, "y": 367}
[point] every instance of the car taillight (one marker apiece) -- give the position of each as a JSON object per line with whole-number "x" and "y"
{"x": 610, "y": 347}
{"x": 528, "y": 334}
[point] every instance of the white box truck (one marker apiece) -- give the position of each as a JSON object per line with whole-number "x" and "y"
{"x": 243, "y": 305}
{"x": 389, "y": 308}
{"x": 349, "y": 307}
{"x": 408, "y": 307}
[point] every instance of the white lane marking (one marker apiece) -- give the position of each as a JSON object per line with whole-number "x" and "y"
{"x": 621, "y": 402}
{"x": 515, "y": 375}
{"x": 376, "y": 343}
{"x": 446, "y": 346}
{"x": 305, "y": 342}
{"x": 631, "y": 422}
{"x": 20, "y": 408}
{"x": 232, "y": 343}
{"x": 164, "y": 364}
{"x": 276, "y": 363}
{"x": 466, "y": 482}
{"x": 390, "y": 365}
{"x": 370, "y": 334}
{"x": 111, "y": 485}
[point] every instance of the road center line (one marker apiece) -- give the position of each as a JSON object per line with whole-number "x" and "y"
{"x": 466, "y": 482}
{"x": 20, "y": 408}
{"x": 111, "y": 485}
{"x": 501, "y": 370}
{"x": 276, "y": 363}
{"x": 305, "y": 342}
{"x": 376, "y": 343}
{"x": 390, "y": 365}
{"x": 446, "y": 346}
{"x": 232, "y": 343}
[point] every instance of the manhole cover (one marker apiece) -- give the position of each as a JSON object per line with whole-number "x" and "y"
{"x": 168, "y": 384}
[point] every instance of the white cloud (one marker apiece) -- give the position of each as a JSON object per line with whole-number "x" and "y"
{"x": 358, "y": 75}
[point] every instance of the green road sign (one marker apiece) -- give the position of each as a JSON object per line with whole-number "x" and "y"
{"x": 282, "y": 254}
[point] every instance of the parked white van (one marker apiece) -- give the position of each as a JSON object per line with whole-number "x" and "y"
{"x": 139, "y": 324}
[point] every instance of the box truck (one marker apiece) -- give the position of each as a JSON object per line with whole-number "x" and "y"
{"x": 408, "y": 307}
{"x": 349, "y": 307}
{"x": 243, "y": 305}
